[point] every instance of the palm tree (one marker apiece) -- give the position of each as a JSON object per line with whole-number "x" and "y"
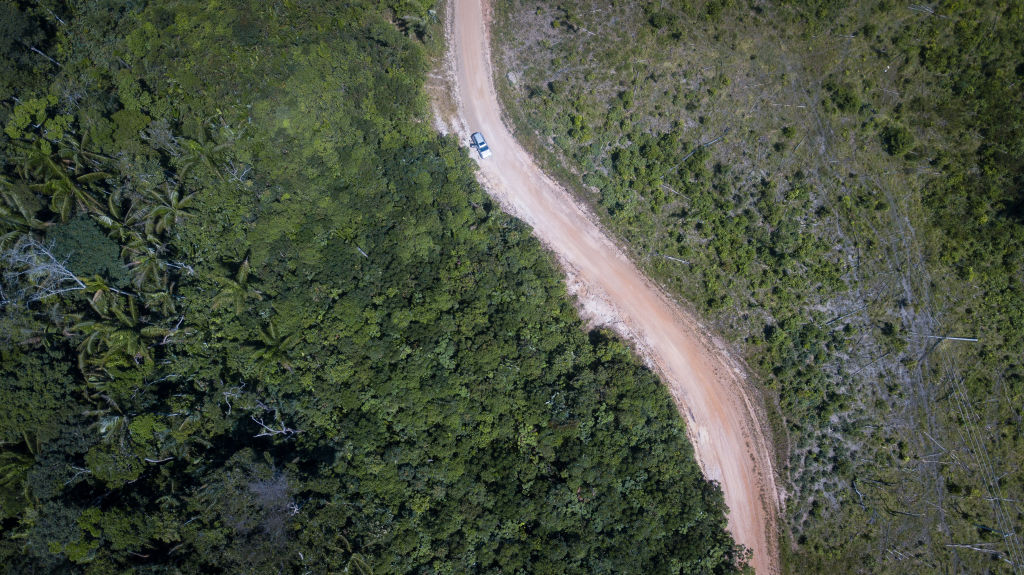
{"x": 187, "y": 448}
{"x": 235, "y": 291}
{"x": 64, "y": 191}
{"x": 275, "y": 346}
{"x": 202, "y": 151}
{"x": 102, "y": 296}
{"x": 98, "y": 391}
{"x": 78, "y": 154}
{"x": 14, "y": 468}
{"x": 18, "y": 207}
{"x": 148, "y": 269}
{"x": 171, "y": 207}
{"x": 357, "y": 564}
{"x": 107, "y": 345}
{"x": 118, "y": 227}
{"x": 161, "y": 302}
{"x": 111, "y": 426}
{"x": 128, "y": 317}
{"x": 96, "y": 337}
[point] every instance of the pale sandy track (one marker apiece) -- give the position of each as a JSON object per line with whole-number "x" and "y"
{"x": 707, "y": 386}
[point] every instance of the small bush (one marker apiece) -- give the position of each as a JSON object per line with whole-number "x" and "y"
{"x": 843, "y": 97}
{"x": 897, "y": 139}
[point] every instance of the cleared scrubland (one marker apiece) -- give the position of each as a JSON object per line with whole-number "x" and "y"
{"x": 835, "y": 188}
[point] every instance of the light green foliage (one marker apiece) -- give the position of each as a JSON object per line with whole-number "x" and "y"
{"x": 32, "y": 111}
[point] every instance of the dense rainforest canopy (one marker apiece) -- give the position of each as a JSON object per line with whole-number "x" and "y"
{"x": 257, "y": 317}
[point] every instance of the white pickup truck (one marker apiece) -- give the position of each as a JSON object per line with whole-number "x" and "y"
{"x": 480, "y": 144}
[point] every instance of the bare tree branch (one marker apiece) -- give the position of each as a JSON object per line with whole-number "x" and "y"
{"x": 32, "y": 273}
{"x": 270, "y": 431}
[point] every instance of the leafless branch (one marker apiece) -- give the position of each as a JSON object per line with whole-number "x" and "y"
{"x": 169, "y": 338}
{"x": 269, "y": 431}
{"x": 235, "y": 392}
{"x": 239, "y": 172}
{"x": 979, "y": 547}
{"x": 55, "y": 16}
{"x": 182, "y": 266}
{"x": 40, "y": 52}
{"x": 79, "y": 471}
{"x": 674, "y": 259}
{"x": 33, "y": 273}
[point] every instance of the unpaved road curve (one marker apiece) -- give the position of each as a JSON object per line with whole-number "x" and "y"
{"x": 706, "y": 385}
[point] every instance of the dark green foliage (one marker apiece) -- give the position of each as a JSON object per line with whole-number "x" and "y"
{"x": 897, "y": 139}
{"x": 21, "y": 28}
{"x": 665, "y": 20}
{"x": 37, "y": 397}
{"x": 304, "y": 339}
{"x": 88, "y": 251}
{"x": 843, "y": 96}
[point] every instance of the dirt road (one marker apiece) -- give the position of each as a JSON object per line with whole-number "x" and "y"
{"x": 707, "y": 386}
